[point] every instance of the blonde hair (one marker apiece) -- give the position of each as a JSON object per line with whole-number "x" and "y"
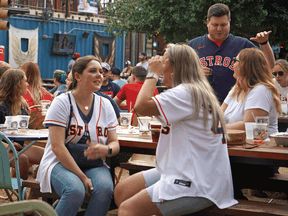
{"x": 34, "y": 80}
{"x": 283, "y": 63}
{"x": 254, "y": 70}
{"x": 189, "y": 72}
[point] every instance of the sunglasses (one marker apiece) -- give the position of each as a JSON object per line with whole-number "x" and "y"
{"x": 235, "y": 60}
{"x": 280, "y": 73}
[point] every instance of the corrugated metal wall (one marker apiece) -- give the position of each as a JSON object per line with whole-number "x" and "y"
{"x": 47, "y": 62}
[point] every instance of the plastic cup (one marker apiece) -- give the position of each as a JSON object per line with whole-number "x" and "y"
{"x": 260, "y": 131}
{"x": 249, "y": 130}
{"x": 284, "y": 108}
{"x": 144, "y": 123}
{"x": 155, "y": 132}
{"x": 45, "y": 104}
{"x": 125, "y": 119}
{"x": 23, "y": 121}
{"x": 11, "y": 122}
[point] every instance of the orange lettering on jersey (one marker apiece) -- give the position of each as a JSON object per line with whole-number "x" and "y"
{"x": 79, "y": 129}
{"x": 203, "y": 62}
{"x": 210, "y": 58}
{"x": 72, "y": 130}
{"x": 218, "y": 60}
{"x": 165, "y": 130}
{"x": 226, "y": 62}
{"x": 201, "y": 47}
{"x": 99, "y": 131}
{"x": 105, "y": 132}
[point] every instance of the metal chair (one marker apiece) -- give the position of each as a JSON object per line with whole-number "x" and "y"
{"x": 6, "y": 182}
{"x": 41, "y": 207}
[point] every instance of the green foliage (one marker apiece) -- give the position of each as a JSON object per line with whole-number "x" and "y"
{"x": 182, "y": 20}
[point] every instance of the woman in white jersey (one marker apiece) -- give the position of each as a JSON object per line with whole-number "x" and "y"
{"x": 192, "y": 169}
{"x": 280, "y": 73}
{"x": 93, "y": 122}
{"x": 255, "y": 94}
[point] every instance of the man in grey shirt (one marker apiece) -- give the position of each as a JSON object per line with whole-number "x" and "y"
{"x": 143, "y": 60}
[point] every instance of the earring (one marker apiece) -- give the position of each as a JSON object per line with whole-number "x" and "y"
{"x": 79, "y": 80}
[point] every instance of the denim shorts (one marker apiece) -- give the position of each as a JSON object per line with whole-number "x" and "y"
{"x": 179, "y": 206}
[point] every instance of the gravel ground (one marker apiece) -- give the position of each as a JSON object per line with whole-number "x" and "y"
{"x": 273, "y": 197}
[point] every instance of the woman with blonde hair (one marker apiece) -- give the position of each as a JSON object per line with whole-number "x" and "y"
{"x": 35, "y": 93}
{"x": 280, "y": 73}
{"x": 192, "y": 169}
{"x": 13, "y": 87}
{"x": 254, "y": 94}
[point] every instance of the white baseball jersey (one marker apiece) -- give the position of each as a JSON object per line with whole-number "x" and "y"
{"x": 283, "y": 91}
{"x": 103, "y": 119}
{"x": 192, "y": 160}
{"x": 257, "y": 98}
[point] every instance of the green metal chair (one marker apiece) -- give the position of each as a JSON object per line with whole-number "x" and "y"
{"x": 6, "y": 182}
{"x": 41, "y": 207}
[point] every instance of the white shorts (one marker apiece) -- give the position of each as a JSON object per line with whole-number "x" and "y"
{"x": 180, "y": 206}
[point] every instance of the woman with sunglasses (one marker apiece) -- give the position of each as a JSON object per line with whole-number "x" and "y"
{"x": 280, "y": 73}
{"x": 254, "y": 94}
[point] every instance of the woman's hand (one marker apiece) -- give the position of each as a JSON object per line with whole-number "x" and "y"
{"x": 156, "y": 65}
{"x": 17, "y": 146}
{"x": 95, "y": 150}
{"x": 88, "y": 185}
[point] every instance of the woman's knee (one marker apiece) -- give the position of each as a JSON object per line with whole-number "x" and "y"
{"x": 75, "y": 191}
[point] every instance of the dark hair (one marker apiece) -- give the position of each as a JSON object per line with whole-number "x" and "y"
{"x": 60, "y": 76}
{"x": 10, "y": 90}
{"x": 3, "y": 69}
{"x": 79, "y": 66}
{"x": 140, "y": 73}
{"x": 218, "y": 10}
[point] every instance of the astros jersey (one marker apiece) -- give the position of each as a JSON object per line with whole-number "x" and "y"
{"x": 192, "y": 160}
{"x": 103, "y": 119}
{"x": 220, "y": 60}
{"x": 110, "y": 89}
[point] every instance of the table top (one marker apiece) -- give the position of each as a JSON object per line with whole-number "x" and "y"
{"x": 29, "y": 136}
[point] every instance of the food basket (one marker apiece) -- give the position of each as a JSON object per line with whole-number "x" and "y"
{"x": 280, "y": 138}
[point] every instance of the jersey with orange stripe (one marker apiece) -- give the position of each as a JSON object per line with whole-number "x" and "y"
{"x": 102, "y": 120}
{"x": 191, "y": 158}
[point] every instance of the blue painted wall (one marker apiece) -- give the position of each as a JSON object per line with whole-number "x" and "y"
{"x": 47, "y": 62}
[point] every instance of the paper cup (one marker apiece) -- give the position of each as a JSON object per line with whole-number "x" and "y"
{"x": 23, "y": 121}
{"x": 284, "y": 108}
{"x": 45, "y": 104}
{"x": 125, "y": 119}
{"x": 249, "y": 130}
{"x": 11, "y": 122}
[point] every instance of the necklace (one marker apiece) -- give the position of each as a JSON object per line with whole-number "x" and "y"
{"x": 86, "y": 107}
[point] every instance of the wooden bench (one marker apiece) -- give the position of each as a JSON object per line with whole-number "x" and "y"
{"x": 139, "y": 162}
{"x": 246, "y": 208}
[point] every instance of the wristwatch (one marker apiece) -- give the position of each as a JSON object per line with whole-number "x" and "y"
{"x": 152, "y": 75}
{"x": 109, "y": 150}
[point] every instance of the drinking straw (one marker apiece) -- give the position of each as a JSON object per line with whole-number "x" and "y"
{"x": 138, "y": 117}
{"x": 253, "y": 116}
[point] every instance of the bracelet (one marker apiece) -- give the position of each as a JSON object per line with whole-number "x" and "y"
{"x": 264, "y": 43}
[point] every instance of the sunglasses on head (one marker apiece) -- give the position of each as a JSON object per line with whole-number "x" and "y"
{"x": 235, "y": 60}
{"x": 280, "y": 73}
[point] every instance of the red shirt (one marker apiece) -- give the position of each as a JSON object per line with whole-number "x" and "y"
{"x": 45, "y": 96}
{"x": 129, "y": 92}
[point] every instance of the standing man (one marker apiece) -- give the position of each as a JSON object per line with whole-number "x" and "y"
{"x": 108, "y": 87}
{"x": 72, "y": 61}
{"x": 143, "y": 60}
{"x": 217, "y": 49}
